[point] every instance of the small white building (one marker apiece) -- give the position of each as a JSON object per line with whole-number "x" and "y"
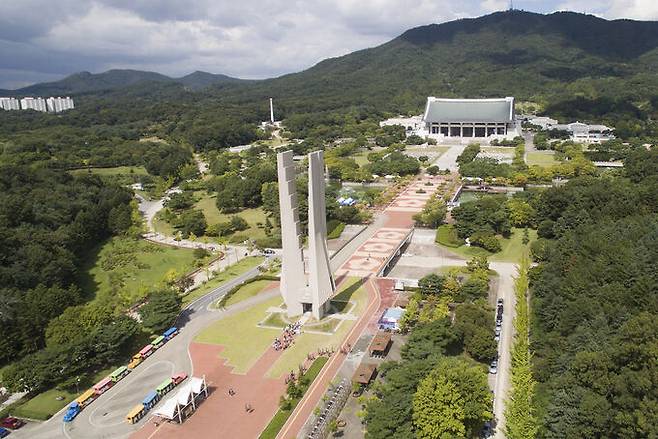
{"x": 544, "y": 122}
{"x": 10, "y": 104}
{"x": 469, "y": 119}
{"x": 584, "y": 133}
{"x": 411, "y": 125}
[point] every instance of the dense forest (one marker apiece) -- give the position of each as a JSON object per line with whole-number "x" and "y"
{"x": 48, "y": 220}
{"x": 595, "y": 304}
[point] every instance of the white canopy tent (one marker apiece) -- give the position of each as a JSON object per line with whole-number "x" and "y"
{"x": 186, "y": 395}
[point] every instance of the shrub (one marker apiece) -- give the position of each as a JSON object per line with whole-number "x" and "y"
{"x": 335, "y": 228}
{"x": 447, "y": 235}
{"x": 486, "y": 240}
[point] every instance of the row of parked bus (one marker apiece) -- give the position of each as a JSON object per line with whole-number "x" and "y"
{"x": 149, "y": 349}
{"x": 140, "y": 410}
{"x": 106, "y": 383}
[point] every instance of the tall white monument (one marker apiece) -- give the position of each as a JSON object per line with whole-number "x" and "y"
{"x": 302, "y": 294}
{"x": 293, "y": 279}
{"x": 320, "y": 282}
{"x": 271, "y": 111}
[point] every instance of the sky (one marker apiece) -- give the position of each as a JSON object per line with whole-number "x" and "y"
{"x": 45, "y": 40}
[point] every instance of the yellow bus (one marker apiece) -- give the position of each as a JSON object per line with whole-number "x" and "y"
{"x": 136, "y": 414}
{"x": 86, "y": 398}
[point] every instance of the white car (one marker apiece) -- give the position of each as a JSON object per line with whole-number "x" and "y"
{"x": 493, "y": 367}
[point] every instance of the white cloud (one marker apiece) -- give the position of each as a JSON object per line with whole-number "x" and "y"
{"x": 637, "y": 9}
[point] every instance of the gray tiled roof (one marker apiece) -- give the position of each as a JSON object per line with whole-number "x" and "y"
{"x": 469, "y": 110}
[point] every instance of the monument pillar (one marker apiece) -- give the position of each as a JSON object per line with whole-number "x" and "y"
{"x": 293, "y": 279}
{"x": 321, "y": 282}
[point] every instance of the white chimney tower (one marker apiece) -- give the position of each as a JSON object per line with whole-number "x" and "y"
{"x": 271, "y": 111}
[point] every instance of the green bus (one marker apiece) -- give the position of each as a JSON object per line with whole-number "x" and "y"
{"x": 118, "y": 374}
{"x": 165, "y": 387}
{"x": 158, "y": 342}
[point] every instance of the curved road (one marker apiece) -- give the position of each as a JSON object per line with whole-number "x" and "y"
{"x": 105, "y": 417}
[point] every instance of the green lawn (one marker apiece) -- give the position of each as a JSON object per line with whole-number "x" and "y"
{"x": 498, "y": 149}
{"x": 249, "y": 290}
{"x": 281, "y": 416}
{"x": 446, "y": 235}
{"x": 541, "y": 158}
{"x": 243, "y": 351}
{"x": 45, "y": 404}
{"x": 434, "y": 150}
{"x": 207, "y": 204}
{"x": 512, "y": 248}
{"x": 243, "y": 340}
{"x": 232, "y": 271}
{"x": 118, "y": 170}
{"x": 128, "y": 269}
{"x": 161, "y": 226}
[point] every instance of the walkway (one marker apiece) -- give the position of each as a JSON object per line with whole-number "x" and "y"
{"x": 305, "y": 408}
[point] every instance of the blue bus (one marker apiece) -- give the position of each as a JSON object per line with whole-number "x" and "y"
{"x": 170, "y": 333}
{"x": 151, "y": 400}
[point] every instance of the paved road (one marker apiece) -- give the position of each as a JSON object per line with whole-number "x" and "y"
{"x": 448, "y": 160}
{"x": 423, "y": 257}
{"x": 104, "y": 418}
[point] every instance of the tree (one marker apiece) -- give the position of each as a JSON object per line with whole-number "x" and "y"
{"x": 192, "y": 221}
{"x": 432, "y": 214}
{"x": 119, "y": 219}
{"x": 238, "y": 223}
{"x": 433, "y": 170}
{"x": 161, "y": 309}
{"x": 478, "y": 263}
{"x": 474, "y": 325}
{"x": 432, "y": 284}
{"x": 521, "y": 213}
{"x": 179, "y": 201}
{"x": 452, "y": 401}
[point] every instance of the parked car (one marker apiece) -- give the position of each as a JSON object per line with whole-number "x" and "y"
{"x": 4, "y": 432}
{"x": 497, "y": 331}
{"x": 493, "y": 367}
{"x": 500, "y": 302}
{"x": 268, "y": 251}
{"x": 487, "y": 430}
{"x": 11, "y": 422}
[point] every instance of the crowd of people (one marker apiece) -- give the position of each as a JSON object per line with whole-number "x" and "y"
{"x": 287, "y": 338}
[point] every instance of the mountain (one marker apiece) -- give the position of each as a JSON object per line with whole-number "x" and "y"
{"x": 85, "y": 82}
{"x": 535, "y": 57}
{"x": 565, "y": 59}
{"x": 200, "y": 80}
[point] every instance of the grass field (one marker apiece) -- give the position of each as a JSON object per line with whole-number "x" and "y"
{"x": 234, "y": 270}
{"x": 249, "y": 290}
{"x": 244, "y": 342}
{"x": 434, "y": 150}
{"x": 118, "y": 170}
{"x": 243, "y": 351}
{"x": 446, "y": 235}
{"x": 512, "y": 248}
{"x": 498, "y": 149}
{"x": 128, "y": 269}
{"x": 281, "y": 416}
{"x": 207, "y": 204}
{"x": 46, "y": 404}
{"x": 541, "y": 158}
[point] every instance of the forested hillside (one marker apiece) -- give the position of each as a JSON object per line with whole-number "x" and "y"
{"x": 85, "y": 82}
{"x": 595, "y": 305}
{"x": 48, "y": 221}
